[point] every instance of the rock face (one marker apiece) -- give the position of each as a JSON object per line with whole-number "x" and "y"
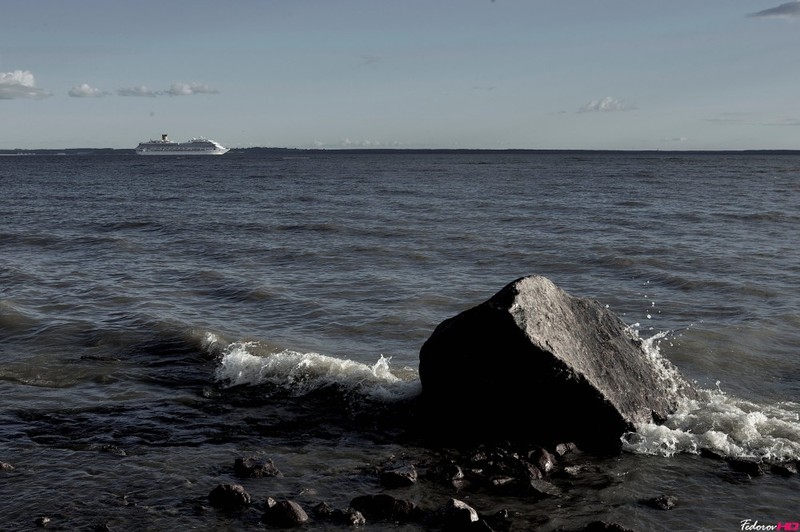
{"x": 534, "y": 362}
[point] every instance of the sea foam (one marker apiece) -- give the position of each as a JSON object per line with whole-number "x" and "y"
{"x": 252, "y": 363}
{"x": 720, "y": 423}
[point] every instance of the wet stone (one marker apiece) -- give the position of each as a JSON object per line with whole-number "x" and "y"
{"x": 284, "y": 514}
{"x": 752, "y": 468}
{"x": 662, "y": 502}
{"x": 347, "y": 517}
{"x": 458, "y": 515}
{"x": 543, "y": 489}
{"x": 543, "y": 460}
{"x": 384, "y": 508}
{"x": 252, "y": 467}
{"x": 399, "y": 477}
{"x": 786, "y": 469}
{"x": 229, "y": 497}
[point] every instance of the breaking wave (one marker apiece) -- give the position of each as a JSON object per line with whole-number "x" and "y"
{"x": 717, "y": 422}
{"x": 254, "y": 363}
{"x": 720, "y": 424}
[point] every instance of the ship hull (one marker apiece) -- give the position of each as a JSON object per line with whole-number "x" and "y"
{"x": 182, "y": 152}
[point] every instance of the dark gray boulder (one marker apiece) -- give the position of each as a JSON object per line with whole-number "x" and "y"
{"x": 534, "y": 362}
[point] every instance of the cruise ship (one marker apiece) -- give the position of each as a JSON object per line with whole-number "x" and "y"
{"x": 195, "y": 146}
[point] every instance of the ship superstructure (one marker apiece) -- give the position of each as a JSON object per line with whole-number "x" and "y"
{"x": 195, "y": 146}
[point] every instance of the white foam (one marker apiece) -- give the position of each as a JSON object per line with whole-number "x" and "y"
{"x": 726, "y": 425}
{"x": 248, "y": 363}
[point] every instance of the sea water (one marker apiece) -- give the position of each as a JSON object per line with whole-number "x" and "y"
{"x": 160, "y": 317}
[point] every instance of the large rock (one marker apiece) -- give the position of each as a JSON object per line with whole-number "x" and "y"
{"x": 534, "y": 362}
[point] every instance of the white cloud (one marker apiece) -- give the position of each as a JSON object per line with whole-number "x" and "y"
{"x": 84, "y": 90}
{"x": 787, "y": 10}
{"x": 177, "y": 89}
{"x": 20, "y": 84}
{"x": 141, "y": 90}
{"x": 607, "y": 104}
{"x": 187, "y": 89}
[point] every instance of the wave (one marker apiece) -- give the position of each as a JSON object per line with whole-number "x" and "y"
{"x": 720, "y": 424}
{"x": 725, "y": 426}
{"x": 253, "y": 363}
{"x": 717, "y": 422}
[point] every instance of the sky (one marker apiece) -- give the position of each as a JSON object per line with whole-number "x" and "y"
{"x": 467, "y": 74}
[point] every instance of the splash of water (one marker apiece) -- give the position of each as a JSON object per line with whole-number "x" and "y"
{"x": 720, "y": 423}
{"x": 250, "y": 363}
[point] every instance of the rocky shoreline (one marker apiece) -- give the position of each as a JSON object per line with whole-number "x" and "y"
{"x": 532, "y": 473}
{"x": 504, "y": 470}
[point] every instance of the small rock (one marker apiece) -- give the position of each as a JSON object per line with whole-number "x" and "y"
{"x": 743, "y": 465}
{"x": 229, "y": 497}
{"x": 458, "y": 515}
{"x": 542, "y": 459}
{"x": 399, "y": 477}
{"x": 113, "y": 449}
{"x": 323, "y": 510}
{"x": 348, "y": 517}
{"x": 711, "y": 453}
{"x": 384, "y": 507}
{"x": 501, "y": 481}
{"x": 662, "y": 502}
{"x": 542, "y": 489}
{"x": 251, "y": 467}
{"x": 786, "y": 469}
{"x": 283, "y": 514}
{"x": 565, "y": 448}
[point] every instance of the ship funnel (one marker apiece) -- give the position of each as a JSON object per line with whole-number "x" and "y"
{"x": 164, "y": 137}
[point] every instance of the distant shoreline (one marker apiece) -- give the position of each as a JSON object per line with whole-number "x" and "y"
{"x": 412, "y": 151}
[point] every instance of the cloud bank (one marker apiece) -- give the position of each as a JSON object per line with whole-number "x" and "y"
{"x": 177, "y": 89}
{"x": 84, "y": 90}
{"x": 787, "y": 10}
{"x": 20, "y": 84}
{"x": 607, "y": 104}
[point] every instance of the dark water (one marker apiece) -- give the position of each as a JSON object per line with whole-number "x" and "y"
{"x": 160, "y": 317}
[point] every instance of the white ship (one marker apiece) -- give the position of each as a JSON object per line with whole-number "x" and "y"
{"x": 196, "y": 146}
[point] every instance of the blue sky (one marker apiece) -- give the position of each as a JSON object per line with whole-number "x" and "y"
{"x": 582, "y": 74}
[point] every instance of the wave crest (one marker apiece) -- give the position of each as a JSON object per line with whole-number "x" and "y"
{"x": 251, "y": 363}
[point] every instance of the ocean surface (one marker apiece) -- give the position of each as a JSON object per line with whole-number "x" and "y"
{"x": 160, "y": 317}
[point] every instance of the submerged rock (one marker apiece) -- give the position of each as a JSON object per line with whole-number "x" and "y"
{"x": 662, "y": 502}
{"x": 535, "y": 363}
{"x": 251, "y": 467}
{"x": 346, "y": 517}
